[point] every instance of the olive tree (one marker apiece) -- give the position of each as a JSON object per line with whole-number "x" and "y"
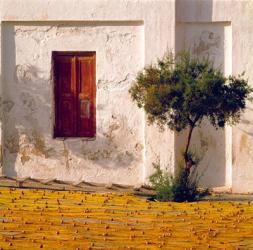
{"x": 180, "y": 91}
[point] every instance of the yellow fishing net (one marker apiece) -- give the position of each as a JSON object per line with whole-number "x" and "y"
{"x": 38, "y": 219}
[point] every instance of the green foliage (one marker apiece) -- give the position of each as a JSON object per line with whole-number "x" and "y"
{"x": 180, "y": 91}
{"x": 180, "y": 188}
{"x": 162, "y": 184}
{"x": 184, "y": 187}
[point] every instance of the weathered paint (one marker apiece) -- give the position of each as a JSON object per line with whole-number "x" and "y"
{"x": 123, "y": 42}
{"x": 30, "y": 137}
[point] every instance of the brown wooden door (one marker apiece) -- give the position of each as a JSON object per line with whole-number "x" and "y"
{"x": 86, "y": 98}
{"x": 75, "y": 94}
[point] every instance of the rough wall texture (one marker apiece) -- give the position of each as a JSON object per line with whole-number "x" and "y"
{"x": 116, "y": 153}
{"x": 122, "y": 33}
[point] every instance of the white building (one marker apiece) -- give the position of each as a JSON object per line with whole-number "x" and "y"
{"x": 51, "y": 50}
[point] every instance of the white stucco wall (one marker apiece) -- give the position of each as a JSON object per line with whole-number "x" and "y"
{"x": 126, "y": 35}
{"x": 29, "y": 117}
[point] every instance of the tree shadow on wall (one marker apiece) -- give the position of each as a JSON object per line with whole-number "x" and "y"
{"x": 246, "y": 122}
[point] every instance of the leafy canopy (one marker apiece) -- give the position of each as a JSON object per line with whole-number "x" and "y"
{"x": 180, "y": 91}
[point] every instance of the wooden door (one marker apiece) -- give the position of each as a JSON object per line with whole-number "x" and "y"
{"x": 75, "y": 94}
{"x": 86, "y": 96}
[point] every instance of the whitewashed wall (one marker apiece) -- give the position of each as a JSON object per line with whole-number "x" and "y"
{"x": 126, "y": 35}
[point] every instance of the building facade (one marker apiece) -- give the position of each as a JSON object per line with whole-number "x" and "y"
{"x": 66, "y": 67}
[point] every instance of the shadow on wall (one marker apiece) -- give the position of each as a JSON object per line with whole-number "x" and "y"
{"x": 23, "y": 98}
{"x": 247, "y": 122}
{"x": 28, "y": 119}
{"x": 8, "y": 63}
{"x": 243, "y": 136}
{"x": 1, "y": 134}
{"x": 200, "y": 10}
{"x": 204, "y": 39}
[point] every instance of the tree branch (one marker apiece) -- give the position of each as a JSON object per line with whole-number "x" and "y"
{"x": 190, "y": 121}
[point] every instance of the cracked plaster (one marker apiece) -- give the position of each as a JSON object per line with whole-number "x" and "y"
{"x": 112, "y": 156}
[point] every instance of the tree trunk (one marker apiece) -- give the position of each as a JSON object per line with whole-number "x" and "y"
{"x": 188, "y": 160}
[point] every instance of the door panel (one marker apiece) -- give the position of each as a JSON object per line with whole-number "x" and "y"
{"x": 86, "y": 96}
{"x": 65, "y": 96}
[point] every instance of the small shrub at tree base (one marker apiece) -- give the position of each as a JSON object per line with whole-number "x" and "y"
{"x": 179, "y": 188}
{"x": 184, "y": 187}
{"x": 162, "y": 183}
